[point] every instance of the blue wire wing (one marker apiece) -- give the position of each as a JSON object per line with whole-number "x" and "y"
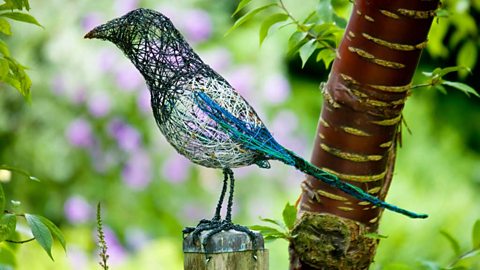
{"x": 249, "y": 135}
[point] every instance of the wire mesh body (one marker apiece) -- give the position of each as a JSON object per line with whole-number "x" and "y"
{"x": 196, "y": 136}
{"x": 174, "y": 72}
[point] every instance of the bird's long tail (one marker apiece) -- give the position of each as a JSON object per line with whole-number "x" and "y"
{"x": 332, "y": 180}
{"x": 260, "y": 140}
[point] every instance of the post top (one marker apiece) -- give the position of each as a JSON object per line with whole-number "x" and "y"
{"x": 222, "y": 242}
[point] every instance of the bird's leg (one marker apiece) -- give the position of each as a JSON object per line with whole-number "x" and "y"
{"x": 228, "y": 216}
{"x": 216, "y": 225}
{"x": 206, "y": 224}
{"x": 222, "y": 195}
{"x": 227, "y": 224}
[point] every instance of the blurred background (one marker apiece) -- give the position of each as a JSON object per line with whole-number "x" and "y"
{"x": 90, "y": 136}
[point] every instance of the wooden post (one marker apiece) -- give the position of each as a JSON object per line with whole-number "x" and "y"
{"x": 227, "y": 250}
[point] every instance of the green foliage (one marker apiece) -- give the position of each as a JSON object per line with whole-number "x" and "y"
{"x": 41, "y": 233}
{"x": 456, "y": 17}
{"x": 435, "y": 80}
{"x": 280, "y": 229}
{"x": 11, "y": 71}
{"x": 8, "y": 224}
{"x": 43, "y": 230}
{"x": 476, "y": 235}
{"x": 466, "y": 259}
{"x": 319, "y": 32}
{"x": 19, "y": 171}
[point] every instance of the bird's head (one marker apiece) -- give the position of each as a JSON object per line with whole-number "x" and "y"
{"x": 135, "y": 29}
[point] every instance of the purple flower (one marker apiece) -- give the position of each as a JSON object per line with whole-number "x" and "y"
{"x": 284, "y": 124}
{"x": 197, "y": 25}
{"x": 128, "y": 78}
{"x": 99, "y": 104}
{"x": 283, "y": 132}
{"x": 77, "y": 257}
{"x": 127, "y": 137}
{"x": 77, "y": 210}
{"x": 78, "y": 96}
{"x": 136, "y": 238}
{"x": 58, "y": 85}
{"x": 242, "y": 79}
{"x": 143, "y": 101}
{"x": 106, "y": 59}
{"x": 79, "y": 133}
{"x": 124, "y": 6}
{"x": 260, "y": 207}
{"x": 91, "y": 20}
{"x": 116, "y": 251}
{"x": 137, "y": 173}
{"x": 276, "y": 89}
{"x": 193, "y": 212}
{"x": 175, "y": 169}
{"x": 219, "y": 59}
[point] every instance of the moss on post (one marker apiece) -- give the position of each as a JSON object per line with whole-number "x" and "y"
{"x": 331, "y": 242}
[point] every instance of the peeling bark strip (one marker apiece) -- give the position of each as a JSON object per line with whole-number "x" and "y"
{"x": 361, "y": 113}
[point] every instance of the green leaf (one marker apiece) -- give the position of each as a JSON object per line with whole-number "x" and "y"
{"x": 22, "y": 17}
{"x": 4, "y": 48}
{"x": 18, "y": 78}
{"x": 2, "y": 200}
{"x": 295, "y": 41}
{"x": 41, "y": 233}
{"x": 339, "y": 21}
{"x": 430, "y": 265}
{"x": 311, "y": 18}
{"x": 441, "y": 12}
{"x": 54, "y": 230}
{"x": 325, "y": 10}
{"x": 8, "y": 224}
{"x": 5, "y": 27}
{"x": 241, "y": 5}
{"x": 307, "y": 50}
{"x": 375, "y": 236}
{"x": 467, "y": 56}
{"x": 270, "y": 232}
{"x": 440, "y": 72}
{"x": 269, "y": 22}
{"x": 441, "y": 88}
{"x": 468, "y": 259}
{"x": 476, "y": 235}
{"x": 462, "y": 87}
{"x": 4, "y": 68}
{"x": 453, "y": 242}
{"x": 274, "y": 221}
{"x": 7, "y": 258}
{"x": 289, "y": 215}
{"x": 327, "y": 56}
{"x": 247, "y": 17}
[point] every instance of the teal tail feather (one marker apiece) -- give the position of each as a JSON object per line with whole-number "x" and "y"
{"x": 259, "y": 139}
{"x": 354, "y": 191}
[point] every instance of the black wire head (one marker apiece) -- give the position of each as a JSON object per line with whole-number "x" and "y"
{"x": 129, "y": 30}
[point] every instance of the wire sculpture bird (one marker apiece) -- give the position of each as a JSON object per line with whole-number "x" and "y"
{"x": 201, "y": 115}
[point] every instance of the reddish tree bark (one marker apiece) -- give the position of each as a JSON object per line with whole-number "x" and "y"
{"x": 358, "y": 131}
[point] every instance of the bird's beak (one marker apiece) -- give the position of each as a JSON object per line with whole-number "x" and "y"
{"x": 103, "y": 31}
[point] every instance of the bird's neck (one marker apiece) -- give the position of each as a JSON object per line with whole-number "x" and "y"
{"x": 163, "y": 65}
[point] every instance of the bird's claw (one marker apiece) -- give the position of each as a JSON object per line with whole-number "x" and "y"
{"x": 216, "y": 226}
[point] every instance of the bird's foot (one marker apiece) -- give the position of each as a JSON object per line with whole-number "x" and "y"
{"x": 216, "y": 226}
{"x": 228, "y": 225}
{"x": 203, "y": 225}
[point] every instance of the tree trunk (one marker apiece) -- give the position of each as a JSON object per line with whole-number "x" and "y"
{"x": 358, "y": 131}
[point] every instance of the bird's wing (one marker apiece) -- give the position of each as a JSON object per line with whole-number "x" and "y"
{"x": 250, "y": 136}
